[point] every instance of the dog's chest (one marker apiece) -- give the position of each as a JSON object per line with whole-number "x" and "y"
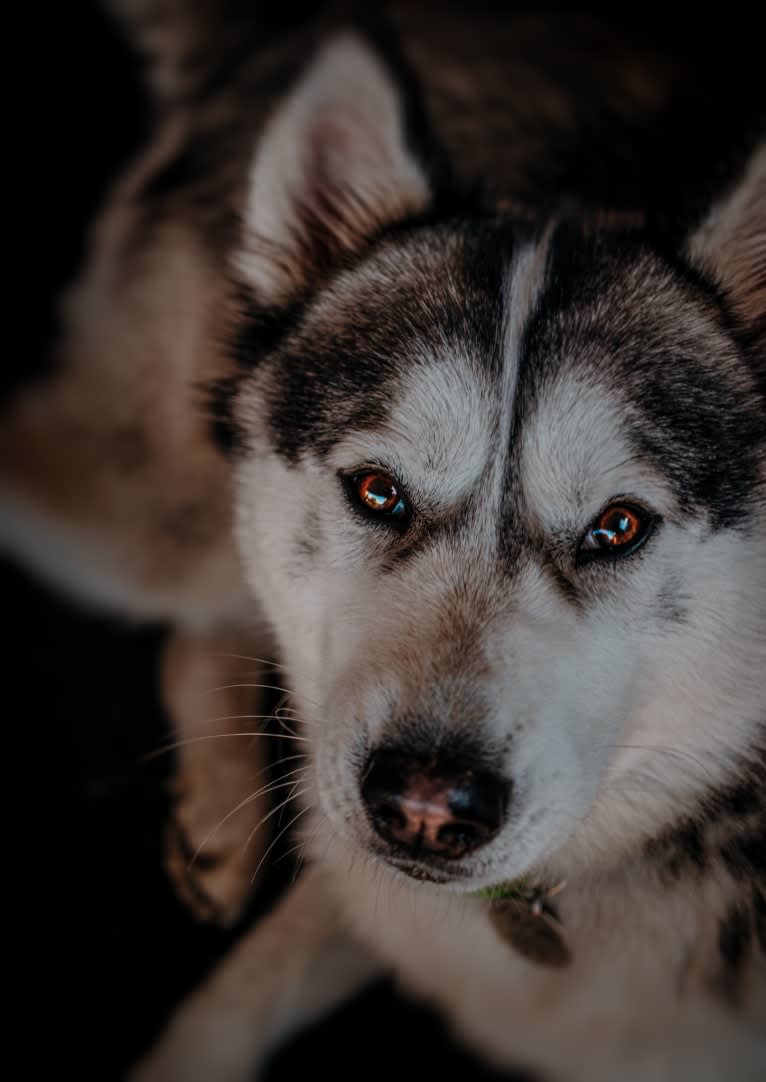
{"x": 614, "y": 1002}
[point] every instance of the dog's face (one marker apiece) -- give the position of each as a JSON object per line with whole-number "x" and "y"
{"x": 500, "y": 494}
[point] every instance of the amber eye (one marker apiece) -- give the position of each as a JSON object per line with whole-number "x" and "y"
{"x": 618, "y": 531}
{"x": 377, "y": 493}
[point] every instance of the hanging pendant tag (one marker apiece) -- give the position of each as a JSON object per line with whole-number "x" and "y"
{"x": 532, "y": 933}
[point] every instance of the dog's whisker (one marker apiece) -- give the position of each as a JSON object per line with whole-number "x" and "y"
{"x": 255, "y": 660}
{"x": 288, "y": 724}
{"x": 667, "y": 750}
{"x": 274, "y": 811}
{"x": 289, "y": 758}
{"x": 279, "y": 762}
{"x": 176, "y": 744}
{"x": 291, "y": 794}
{"x": 250, "y": 717}
{"x": 299, "y": 845}
{"x": 260, "y": 687}
{"x": 264, "y": 790}
{"x": 298, "y": 718}
{"x": 281, "y": 833}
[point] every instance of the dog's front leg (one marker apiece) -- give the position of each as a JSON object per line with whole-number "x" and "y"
{"x": 296, "y": 964}
{"x": 217, "y": 833}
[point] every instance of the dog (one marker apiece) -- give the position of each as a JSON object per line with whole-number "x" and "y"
{"x": 494, "y": 437}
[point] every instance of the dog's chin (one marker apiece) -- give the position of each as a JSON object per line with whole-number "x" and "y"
{"x": 421, "y": 871}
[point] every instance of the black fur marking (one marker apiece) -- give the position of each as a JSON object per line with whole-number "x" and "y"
{"x": 262, "y": 330}
{"x": 219, "y": 399}
{"x": 425, "y": 530}
{"x": 259, "y": 333}
{"x": 742, "y": 798}
{"x": 745, "y": 854}
{"x": 678, "y": 850}
{"x": 566, "y": 588}
{"x": 728, "y": 829}
{"x": 670, "y": 607}
{"x": 734, "y": 937}
{"x": 342, "y": 375}
{"x": 607, "y": 312}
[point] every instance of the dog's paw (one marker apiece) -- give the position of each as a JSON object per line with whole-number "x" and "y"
{"x": 212, "y": 852}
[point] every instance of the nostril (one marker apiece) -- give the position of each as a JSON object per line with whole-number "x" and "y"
{"x": 382, "y": 782}
{"x": 466, "y": 835}
{"x": 387, "y": 815}
{"x": 482, "y": 799}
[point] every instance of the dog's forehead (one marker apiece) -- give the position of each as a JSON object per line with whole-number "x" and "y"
{"x": 628, "y": 364}
{"x": 415, "y": 300}
{"x": 451, "y": 342}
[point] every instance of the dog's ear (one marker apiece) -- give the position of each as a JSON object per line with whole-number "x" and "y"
{"x": 730, "y": 246}
{"x": 332, "y": 168}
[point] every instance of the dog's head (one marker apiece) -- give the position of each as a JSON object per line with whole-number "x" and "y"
{"x": 500, "y": 491}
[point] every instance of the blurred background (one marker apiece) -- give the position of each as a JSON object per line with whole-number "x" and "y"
{"x": 111, "y": 949}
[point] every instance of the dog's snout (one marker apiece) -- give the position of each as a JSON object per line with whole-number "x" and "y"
{"x": 440, "y": 808}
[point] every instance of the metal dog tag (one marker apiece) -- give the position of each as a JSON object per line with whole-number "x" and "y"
{"x": 533, "y": 934}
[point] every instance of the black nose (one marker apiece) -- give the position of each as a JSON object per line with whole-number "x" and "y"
{"x": 443, "y": 807}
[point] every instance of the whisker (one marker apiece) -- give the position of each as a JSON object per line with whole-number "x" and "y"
{"x": 283, "y": 831}
{"x": 266, "y": 687}
{"x": 678, "y": 752}
{"x": 255, "y": 660}
{"x": 268, "y": 816}
{"x": 166, "y": 748}
{"x": 246, "y": 717}
{"x": 285, "y": 723}
{"x": 293, "y": 848}
{"x": 279, "y": 762}
{"x": 289, "y": 759}
{"x": 270, "y": 788}
{"x": 301, "y": 845}
{"x": 262, "y": 687}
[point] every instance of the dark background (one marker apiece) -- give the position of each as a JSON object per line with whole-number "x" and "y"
{"x": 107, "y": 950}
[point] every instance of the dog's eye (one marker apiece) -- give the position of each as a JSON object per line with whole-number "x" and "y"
{"x": 379, "y": 495}
{"x": 619, "y": 530}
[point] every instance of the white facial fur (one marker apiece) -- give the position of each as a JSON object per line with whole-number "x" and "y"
{"x": 603, "y": 715}
{"x": 606, "y": 714}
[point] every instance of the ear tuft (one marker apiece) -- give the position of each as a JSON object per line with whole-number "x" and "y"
{"x": 331, "y": 169}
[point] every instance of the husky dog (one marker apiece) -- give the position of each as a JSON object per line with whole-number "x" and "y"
{"x": 498, "y": 444}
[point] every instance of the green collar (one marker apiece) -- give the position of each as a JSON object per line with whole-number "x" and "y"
{"x": 519, "y": 890}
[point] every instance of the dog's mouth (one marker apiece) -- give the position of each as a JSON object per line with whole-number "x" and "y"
{"x": 422, "y": 871}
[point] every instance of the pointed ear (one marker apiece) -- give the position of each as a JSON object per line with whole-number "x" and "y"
{"x": 332, "y": 168}
{"x": 730, "y": 245}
